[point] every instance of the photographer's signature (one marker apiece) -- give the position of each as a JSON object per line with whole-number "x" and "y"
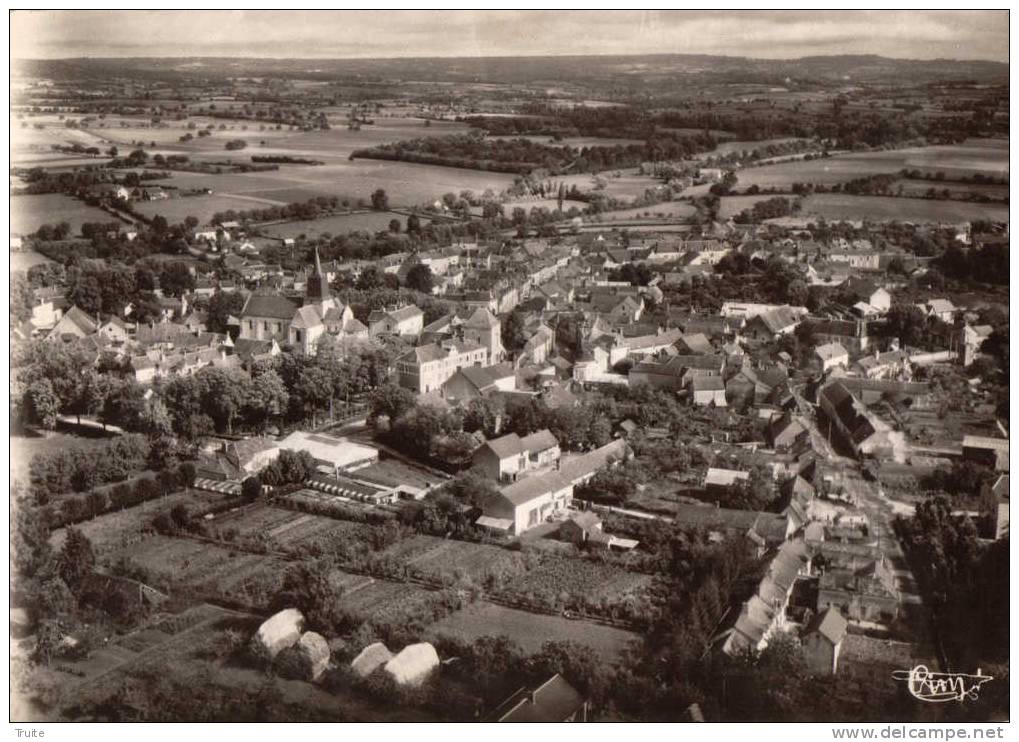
{"x": 938, "y": 687}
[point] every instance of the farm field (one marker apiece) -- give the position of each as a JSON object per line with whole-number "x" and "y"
{"x": 369, "y": 221}
{"x": 28, "y": 213}
{"x": 531, "y": 630}
{"x": 987, "y": 156}
{"x": 880, "y": 208}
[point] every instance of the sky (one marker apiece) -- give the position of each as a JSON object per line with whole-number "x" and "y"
{"x": 910, "y": 34}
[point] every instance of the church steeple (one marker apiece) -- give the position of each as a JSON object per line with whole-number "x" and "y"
{"x": 318, "y": 287}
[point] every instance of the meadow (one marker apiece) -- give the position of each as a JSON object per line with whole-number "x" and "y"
{"x": 730, "y": 206}
{"x": 22, "y": 260}
{"x": 202, "y": 208}
{"x": 368, "y": 221}
{"x": 987, "y": 156}
{"x": 394, "y": 472}
{"x": 531, "y": 630}
{"x": 626, "y": 184}
{"x": 28, "y": 213}
{"x": 667, "y": 210}
{"x": 835, "y": 206}
{"x": 406, "y": 184}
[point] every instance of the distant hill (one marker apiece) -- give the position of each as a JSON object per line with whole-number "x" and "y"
{"x": 642, "y": 69}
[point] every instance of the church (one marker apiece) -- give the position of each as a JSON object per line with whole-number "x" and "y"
{"x": 280, "y": 318}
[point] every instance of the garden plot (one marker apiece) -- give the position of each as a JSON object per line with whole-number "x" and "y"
{"x": 552, "y": 577}
{"x": 207, "y": 567}
{"x": 386, "y": 601}
{"x": 286, "y": 529}
{"x": 115, "y": 530}
{"x": 447, "y": 558}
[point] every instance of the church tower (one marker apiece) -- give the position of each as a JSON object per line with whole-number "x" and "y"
{"x": 317, "y": 289}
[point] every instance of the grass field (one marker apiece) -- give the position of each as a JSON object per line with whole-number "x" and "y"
{"x": 543, "y": 203}
{"x": 627, "y": 185}
{"x": 393, "y": 472}
{"x": 879, "y": 208}
{"x": 407, "y": 184}
{"x": 987, "y": 156}
{"x": 28, "y": 213}
{"x": 370, "y": 221}
{"x": 175, "y": 210}
{"x": 668, "y": 210}
{"x": 24, "y": 446}
{"x": 958, "y": 190}
{"x": 531, "y": 630}
{"x": 730, "y": 206}
{"x": 22, "y": 260}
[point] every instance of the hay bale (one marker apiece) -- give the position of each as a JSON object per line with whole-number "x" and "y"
{"x": 314, "y": 652}
{"x": 370, "y": 659}
{"x": 277, "y": 633}
{"x": 413, "y": 664}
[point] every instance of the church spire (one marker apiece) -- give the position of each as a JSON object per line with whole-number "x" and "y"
{"x": 317, "y": 289}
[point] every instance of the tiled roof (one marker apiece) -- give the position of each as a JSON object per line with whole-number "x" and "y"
{"x": 272, "y": 306}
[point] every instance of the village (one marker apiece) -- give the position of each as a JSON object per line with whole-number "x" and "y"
{"x": 832, "y": 412}
{"x": 406, "y": 390}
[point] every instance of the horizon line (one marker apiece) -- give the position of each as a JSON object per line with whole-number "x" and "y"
{"x": 88, "y": 57}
